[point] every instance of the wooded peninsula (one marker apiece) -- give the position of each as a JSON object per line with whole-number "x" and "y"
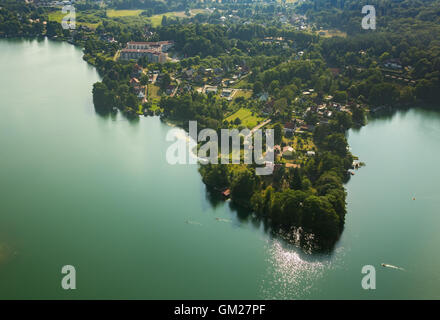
{"x": 306, "y": 69}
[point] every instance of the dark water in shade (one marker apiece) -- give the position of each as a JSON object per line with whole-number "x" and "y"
{"x": 98, "y": 194}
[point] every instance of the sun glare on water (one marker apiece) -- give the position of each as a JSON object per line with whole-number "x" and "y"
{"x": 292, "y": 274}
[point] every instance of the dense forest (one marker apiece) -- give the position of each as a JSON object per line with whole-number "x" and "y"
{"x": 407, "y": 30}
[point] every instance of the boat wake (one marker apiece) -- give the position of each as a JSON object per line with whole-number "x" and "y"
{"x": 193, "y": 222}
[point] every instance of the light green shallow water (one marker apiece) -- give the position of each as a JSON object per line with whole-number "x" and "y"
{"x": 97, "y": 193}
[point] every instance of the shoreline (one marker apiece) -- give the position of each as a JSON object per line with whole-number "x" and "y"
{"x": 174, "y": 123}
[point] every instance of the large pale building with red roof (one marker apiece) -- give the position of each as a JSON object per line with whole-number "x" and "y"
{"x": 154, "y": 51}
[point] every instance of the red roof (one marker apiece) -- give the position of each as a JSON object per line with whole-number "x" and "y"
{"x": 158, "y": 43}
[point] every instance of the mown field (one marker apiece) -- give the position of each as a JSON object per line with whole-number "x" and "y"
{"x": 92, "y": 19}
{"x": 112, "y": 13}
{"x": 247, "y": 118}
{"x": 247, "y": 94}
{"x": 82, "y": 18}
{"x": 332, "y": 33}
{"x": 156, "y": 20}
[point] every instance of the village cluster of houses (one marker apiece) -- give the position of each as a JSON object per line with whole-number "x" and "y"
{"x": 48, "y": 3}
{"x": 287, "y": 152}
{"x": 135, "y": 83}
{"x": 399, "y": 73}
{"x": 279, "y": 41}
{"x": 393, "y": 64}
{"x": 190, "y": 77}
{"x": 215, "y": 76}
{"x": 296, "y": 20}
{"x": 299, "y": 22}
{"x": 298, "y": 126}
{"x": 156, "y": 52}
{"x": 324, "y": 112}
{"x": 153, "y": 76}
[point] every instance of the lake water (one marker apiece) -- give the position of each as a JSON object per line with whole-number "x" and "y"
{"x": 96, "y": 193}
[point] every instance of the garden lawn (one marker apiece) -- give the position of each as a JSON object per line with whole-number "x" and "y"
{"x": 246, "y": 117}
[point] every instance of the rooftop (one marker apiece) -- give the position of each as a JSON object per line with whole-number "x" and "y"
{"x": 151, "y": 43}
{"x": 152, "y": 51}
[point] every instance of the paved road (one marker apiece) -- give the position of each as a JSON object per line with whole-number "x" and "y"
{"x": 262, "y": 124}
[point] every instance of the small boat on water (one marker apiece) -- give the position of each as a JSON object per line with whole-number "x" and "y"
{"x": 385, "y": 265}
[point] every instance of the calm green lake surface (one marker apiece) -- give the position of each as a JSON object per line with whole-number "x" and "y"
{"x": 97, "y": 193}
